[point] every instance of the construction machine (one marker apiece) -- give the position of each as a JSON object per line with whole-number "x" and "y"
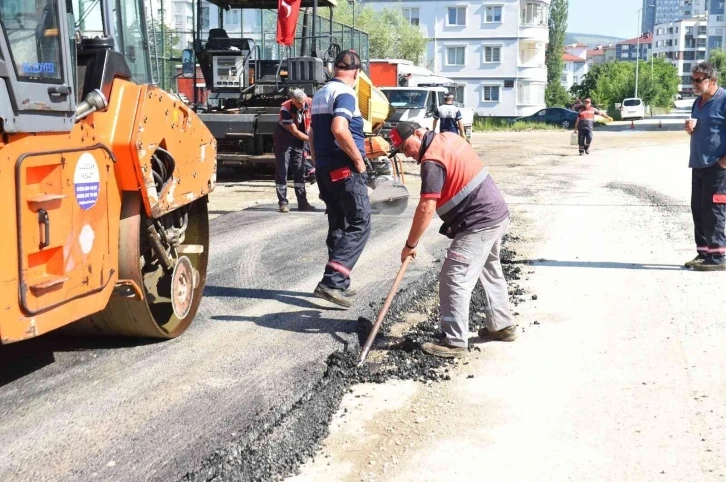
{"x": 248, "y": 76}
{"x": 105, "y": 177}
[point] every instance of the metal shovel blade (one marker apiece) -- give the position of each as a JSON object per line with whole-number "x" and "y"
{"x": 389, "y": 197}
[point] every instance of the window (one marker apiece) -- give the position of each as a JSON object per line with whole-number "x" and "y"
{"x": 492, "y": 14}
{"x": 34, "y": 39}
{"x": 492, "y": 55}
{"x": 205, "y": 17}
{"x": 689, "y": 30}
{"x": 190, "y": 19}
{"x": 575, "y": 79}
{"x": 232, "y": 17}
{"x": 625, "y": 47}
{"x": 411, "y": 15}
{"x": 457, "y": 16}
{"x": 179, "y": 19}
{"x": 703, "y": 30}
{"x": 563, "y": 78}
{"x": 701, "y": 55}
{"x": 534, "y": 13}
{"x": 455, "y": 55}
{"x": 719, "y": 18}
{"x": 490, "y": 93}
{"x": 701, "y": 42}
{"x": 459, "y": 94}
{"x": 687, "y": 67}
{"x": 530, "y": 94}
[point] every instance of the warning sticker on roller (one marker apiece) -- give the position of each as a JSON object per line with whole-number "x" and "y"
{"x": 87, "y": 181}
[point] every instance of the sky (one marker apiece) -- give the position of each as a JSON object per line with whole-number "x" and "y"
{"x": 616, "y": 18}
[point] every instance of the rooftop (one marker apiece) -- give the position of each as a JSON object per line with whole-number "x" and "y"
{"x": 646, "y": 39}
{"x": 572, "y": 58}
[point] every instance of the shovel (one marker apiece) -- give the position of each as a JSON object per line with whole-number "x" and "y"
{"x": 383, "y": 312}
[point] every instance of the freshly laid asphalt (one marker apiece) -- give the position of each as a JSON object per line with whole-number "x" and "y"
{"x": 76, "y": 409}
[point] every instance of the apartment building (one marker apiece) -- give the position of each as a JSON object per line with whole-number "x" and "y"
{"x": 635, "y": 48}
{"x": 495, "y": 48}
{"x": 660, "y": 11}
{"x": 575, "y": 68}
{"x": 683, "y": 43}
{"x": 693, "y": 8}
{"x": 716, "y": 24}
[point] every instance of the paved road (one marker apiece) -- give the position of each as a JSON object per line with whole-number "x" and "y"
{"x": 73, "y": 411}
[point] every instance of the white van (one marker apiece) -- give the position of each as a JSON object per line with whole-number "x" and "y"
{"x": 632, "y": 108}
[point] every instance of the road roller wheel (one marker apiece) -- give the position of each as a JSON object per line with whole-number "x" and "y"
{"x": 171, "y": 297}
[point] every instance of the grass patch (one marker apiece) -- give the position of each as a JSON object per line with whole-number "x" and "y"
{"x": 485, "y": 124}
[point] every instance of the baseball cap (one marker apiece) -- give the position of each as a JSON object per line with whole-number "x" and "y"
{"x": 347, "y": 60}
{"x": 400, "y": 133}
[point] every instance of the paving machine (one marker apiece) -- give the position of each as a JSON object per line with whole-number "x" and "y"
{"x": 247, "y": 83}
{"x": 105, "y": 180}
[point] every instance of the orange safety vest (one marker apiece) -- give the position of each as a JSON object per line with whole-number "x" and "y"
{"x": 464, "y": 170}
{"x": 306, "y": 111}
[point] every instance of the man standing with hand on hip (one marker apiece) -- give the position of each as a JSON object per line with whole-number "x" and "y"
{"x": 708, "y": 163}
{"x": 457, "y": 186}
{"x": 337, "y": 149}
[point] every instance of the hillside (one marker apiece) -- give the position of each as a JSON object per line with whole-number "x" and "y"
{"x": 589, "y": 39}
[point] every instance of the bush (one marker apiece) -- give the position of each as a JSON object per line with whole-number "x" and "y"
{"x": 485, "y": 123}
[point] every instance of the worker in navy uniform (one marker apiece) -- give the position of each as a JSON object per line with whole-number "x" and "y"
{"x": 290, "y": 138}
{"x": 449, "y": 116}
{"x": 338, "y": 150}
{"x": 585, "y": 124}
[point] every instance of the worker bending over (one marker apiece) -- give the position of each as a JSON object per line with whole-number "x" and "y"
{"x": 290, "y": 138}
{"x": 456, "y": 185}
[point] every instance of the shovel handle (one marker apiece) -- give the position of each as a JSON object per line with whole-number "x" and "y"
{"x": 384, "y": 311}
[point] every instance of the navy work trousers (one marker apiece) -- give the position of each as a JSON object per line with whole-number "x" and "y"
{"x": 349, "y": 224}
{"x": 708, "y": 205}
{"x": 584, "y": 139}
{"x": 289, "y": 156}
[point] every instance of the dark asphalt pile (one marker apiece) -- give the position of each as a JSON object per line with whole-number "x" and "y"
{"x": 283, "y": 446}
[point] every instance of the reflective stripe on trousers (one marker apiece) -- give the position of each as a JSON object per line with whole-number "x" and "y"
{"x": 472, "y": 256}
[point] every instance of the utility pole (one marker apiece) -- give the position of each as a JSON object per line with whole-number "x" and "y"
{"x": 637, "y": 61}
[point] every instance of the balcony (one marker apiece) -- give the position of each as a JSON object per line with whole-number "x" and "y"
{"x": 533, "y": 20}
{"x": 531, "y": 60}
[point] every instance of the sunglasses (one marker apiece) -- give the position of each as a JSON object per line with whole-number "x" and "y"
{"x": 698, "y": 81}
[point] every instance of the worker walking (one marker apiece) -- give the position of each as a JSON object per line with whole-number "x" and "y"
{"x": 450, "y": 117}
{"x": 289, "y": 138}
{"x": 337, "y": 149}
{"x": 457, "y": 186}
{"x": 585, "y": 124}
{"x": 708, "y": 169}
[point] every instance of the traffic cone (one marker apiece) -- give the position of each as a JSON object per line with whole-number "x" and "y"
{"x": 632, "y": 124}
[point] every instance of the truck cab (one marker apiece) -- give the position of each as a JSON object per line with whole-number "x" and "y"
{"x": 419, "y": 104}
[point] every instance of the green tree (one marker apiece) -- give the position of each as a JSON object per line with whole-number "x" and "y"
{"x": 718, "y": 59}
{"x": 390, "y": 34}
{"x": 556, "y": 95}
{"x": 611, "y": 82}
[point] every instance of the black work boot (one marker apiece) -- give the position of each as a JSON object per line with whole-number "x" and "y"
{"x": 697, "y": 260}
{"x": 710, "y": 265}
{"x": 306, "y": 206}
{"x": 333, "y": 295}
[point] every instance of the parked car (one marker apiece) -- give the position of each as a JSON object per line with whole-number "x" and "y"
{"x": 632, "y": 108}
{"x": 552, "y": 115}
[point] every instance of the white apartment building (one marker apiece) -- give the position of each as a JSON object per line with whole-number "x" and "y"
{"x": 495, "y": 47}
{"x": 575, "y": 68}
{"x": 684, "y": 43}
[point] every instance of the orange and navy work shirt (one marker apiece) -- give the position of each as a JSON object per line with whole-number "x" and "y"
{"x": 587, "y": 117}
{"x": 289, "y": 114}
{"x": 452, "y": 173}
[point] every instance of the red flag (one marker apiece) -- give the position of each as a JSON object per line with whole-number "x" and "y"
{"x": 287, "y": 13}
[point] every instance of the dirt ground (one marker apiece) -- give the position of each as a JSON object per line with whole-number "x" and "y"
{"x": 237, "y": 190}
{"x": 617, "y": 375}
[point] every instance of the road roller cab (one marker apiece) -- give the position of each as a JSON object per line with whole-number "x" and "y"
{"x": 104, "y": 178}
